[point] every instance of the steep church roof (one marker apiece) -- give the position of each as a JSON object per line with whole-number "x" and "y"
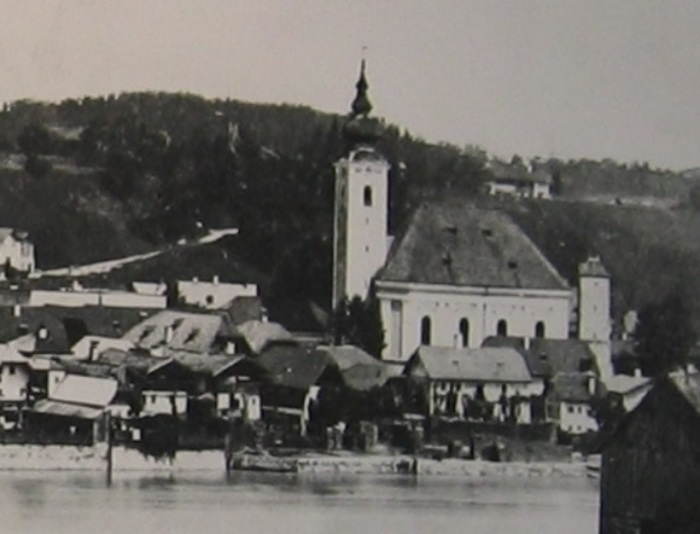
{"x": 461, "y": 244}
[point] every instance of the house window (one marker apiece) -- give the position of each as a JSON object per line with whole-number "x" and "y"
{"x": 464, "y": 331}
{"x": 11, "y": 369}
{"x": 570, "y": 409}
{"x": 425, "y": 330}
{"x": 367, "y": 195}
{"x": 539, "y": 329}
{"x": 502, "y": 328}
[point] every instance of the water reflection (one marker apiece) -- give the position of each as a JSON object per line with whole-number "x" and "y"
{"x": 174, "y": 503}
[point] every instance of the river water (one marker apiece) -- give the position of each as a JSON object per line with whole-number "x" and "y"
{"x": 70, "y": 503}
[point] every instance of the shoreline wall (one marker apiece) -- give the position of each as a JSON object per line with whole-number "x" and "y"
{"x": 71, "y": 458}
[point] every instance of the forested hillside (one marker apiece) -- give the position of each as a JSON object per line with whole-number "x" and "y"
{"x": 97, "y": 178}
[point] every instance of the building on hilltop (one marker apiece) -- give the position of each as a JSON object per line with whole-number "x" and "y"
{"x": 16, "y": 252}
{"x": 517, "y": 181}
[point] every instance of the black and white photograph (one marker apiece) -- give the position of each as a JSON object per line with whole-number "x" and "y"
{"x": 312, "y": 266}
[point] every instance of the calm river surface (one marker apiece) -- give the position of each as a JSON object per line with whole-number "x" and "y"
{"x": 59, "y": 503}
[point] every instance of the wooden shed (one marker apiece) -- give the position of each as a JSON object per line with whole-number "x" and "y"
{"x": 650, "y": 474}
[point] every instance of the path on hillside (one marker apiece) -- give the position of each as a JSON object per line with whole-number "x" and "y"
{"x": 109, "y": 265}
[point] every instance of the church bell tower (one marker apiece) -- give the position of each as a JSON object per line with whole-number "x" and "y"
{"x": 361, "y": 201}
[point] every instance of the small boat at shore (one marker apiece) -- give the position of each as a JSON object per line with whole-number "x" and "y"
{"x": 263, "y": 463}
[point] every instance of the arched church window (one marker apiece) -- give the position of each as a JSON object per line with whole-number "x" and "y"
{"x": 425, "y": 331}
{"x": 367, "y": 195}
{"x": 464, "y": 331}
{"x": 502, "y": 328}
{"x": 539, "y": 329}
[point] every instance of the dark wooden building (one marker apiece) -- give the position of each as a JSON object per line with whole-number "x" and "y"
{"x": 650, "y": 476}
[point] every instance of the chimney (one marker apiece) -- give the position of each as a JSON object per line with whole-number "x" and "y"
{"x": 215, "y": 279}
{"x": 637, "y": 372}
{"x": 230, "y": 348}
{"x": 263, "y": 315}
{"x": 591, "y": 384}
{"x": 168, "y": 335}
{"x": 526, "y": 342}
{"x": 92, "y": 349}
{"x": 16, "y": 310}
{"x": 195, "y": 279}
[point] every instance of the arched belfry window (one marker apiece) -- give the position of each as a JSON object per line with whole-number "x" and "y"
{"x": 540, "y": 329}
{"x": 464, "y": 331}
{"x": 367, "y": 195}
{"x": 502, "y": 328}
{"x": 425, "y": 331}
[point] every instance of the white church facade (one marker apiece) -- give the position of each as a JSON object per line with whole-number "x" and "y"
{"x": 459, "y": 274}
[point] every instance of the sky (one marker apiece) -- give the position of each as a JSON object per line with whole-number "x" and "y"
{"x": 564, "y": 78}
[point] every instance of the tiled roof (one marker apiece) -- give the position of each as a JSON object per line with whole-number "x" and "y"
{"x": 242, "y": 309}
{"x": 97, "y": 392}
{"x": 292, "y": 365}
{"x": 258, "y": 334}
{"x": 547, "y": 357}
{"x": 359, "y": 370}
{"x": 475, "y": 365}
{"x": 194, "y": 332}
{"x": 464, "y": 245}
{"x": 572, "y": 387}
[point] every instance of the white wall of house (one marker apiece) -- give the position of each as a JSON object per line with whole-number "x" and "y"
{"x": 214, "y": 294}
{"x": 13, "y": 382}
{"x": 54, "y": 379}
{"x": 492, "y": 393}
{"x": 161, "y": 402}
{"x": 403, "y": 307}
{"x": 576, "y": 417}
{"x": 594, "y": 308}
{"x": 19, "y": 254}
{"x": 116, "y": 299}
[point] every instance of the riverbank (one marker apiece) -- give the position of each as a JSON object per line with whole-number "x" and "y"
{"x": 69, "y": 458}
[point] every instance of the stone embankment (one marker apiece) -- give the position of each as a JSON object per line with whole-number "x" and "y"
{"x": 64, "y": 458}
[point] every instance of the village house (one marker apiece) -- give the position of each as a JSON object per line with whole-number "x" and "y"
{"x": 212, "y": 295}
{"x": 14, "y": 385}
{"x": 74, "y": 413}
{"x": 16, "y": 252}
{"x": 168, "y": 330}
{"x": 517, "y": 180}
{"x": 650, "y": 472}
{"x": 487, "y": 384}
{"x": 569, "y": 368}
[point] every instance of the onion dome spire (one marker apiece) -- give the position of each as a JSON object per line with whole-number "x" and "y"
{"x": 360, "y": 128}
{"x": 361, "y": 105}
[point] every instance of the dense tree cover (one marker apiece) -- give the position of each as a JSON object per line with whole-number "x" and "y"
{"x": 358, "y": 322}
{"x": 664, "y": 335}
{"x": 178, "y": 164}
{"x": 169, "y": 166}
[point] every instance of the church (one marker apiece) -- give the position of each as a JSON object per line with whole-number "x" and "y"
{"x": 459, "y": 274}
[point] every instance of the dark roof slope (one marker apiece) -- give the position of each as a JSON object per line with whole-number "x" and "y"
{"x": 292, "y": 365}
{"x": 548, "y": 357}
{"x": 461, "y": 244}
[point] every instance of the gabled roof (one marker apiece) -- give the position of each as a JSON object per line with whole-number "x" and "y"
{"x": 96, "y": 392}
{"x": 259, "y": 334}
{"x": 194, "y": 332}
{"x": 573, "y": 387}
{"x": 10, "y": 355}
{"x": 473, "y": 365}
{"x": 359, "y": 370}
{"x": 547, "y": 357}
{"x": 464, "y": 245}
{"x": 293, "y": 366}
